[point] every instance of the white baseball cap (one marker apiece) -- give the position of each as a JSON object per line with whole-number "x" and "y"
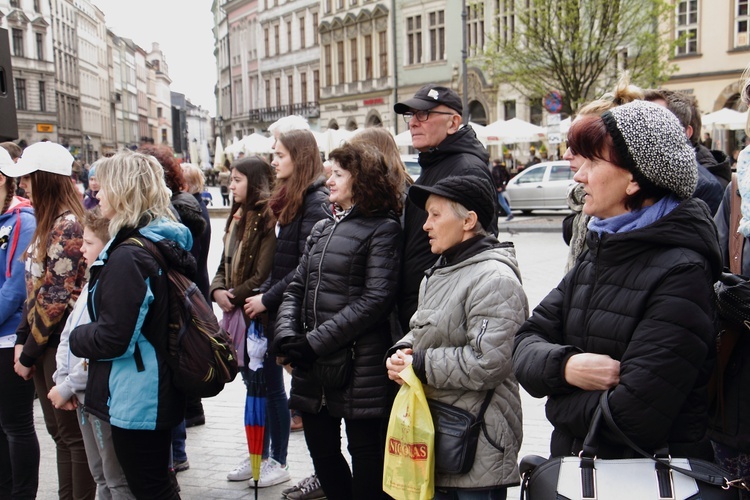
{"x": 45, "y": 156}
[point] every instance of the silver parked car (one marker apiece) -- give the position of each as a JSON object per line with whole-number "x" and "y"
{"x": 411, "y": 162}
{"x": 543, "y": 186}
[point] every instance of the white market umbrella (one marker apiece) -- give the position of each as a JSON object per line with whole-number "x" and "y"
{"x": 219, "y": 155}
{"x": 725, "y": 118}
{"x": 194, "y": 156}
{"x": 514, "y": 130}
{"x": 333, "y": 138}
{"x": 403, "y": 139}
{"x": 255, "y": 144}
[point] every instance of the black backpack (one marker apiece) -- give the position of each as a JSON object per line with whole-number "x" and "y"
{"x": 199, "y": 352}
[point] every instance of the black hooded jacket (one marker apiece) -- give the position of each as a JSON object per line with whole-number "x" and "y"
{"x": 645, "y": 298}
{"x": 459, "y": 154}
{"x": 716, "y": 162}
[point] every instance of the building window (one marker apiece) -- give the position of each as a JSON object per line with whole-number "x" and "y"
{"x": 20, "y": 94}
{"x": 327, "y": 65}
{"x": 36, "y": 6}
{"x": 303, "y": 87}
{"x": 276, "y": 39}
{"x": 340, "y": 62}
{"x": 437, "y": 35}
{"x": 14, "y": 3}
{"x": 368, "y": 57}
{"x": 414, "y": 39}
{"x": 17, "y": 42}
{"x": 266, "y": 42}
{"x": 509, "y": 108}
{"x": 278, "y": 92}
{"x": 327, "y": 6}
{"x": 40, "y": 46}
{"x": 535, "y": 111}
{"x": 302, "y": 40}
{"x": 315, "y": 28}
{"x": 383, "y": 48}
{"x": 687, "y": 26}
{"x": 42, "y": 96}
{"x": 159, "y": 112}
{"x": 475, "y": 28}
{"x": 742, "y": 24}
{"x": 268, "y": 93}
{"x": 290, "y": 88}
{"x": 288, "y": 36}
{"x": 353, "y": 58}
{"x": 339, "y": 4}
{"x": 316, "y": 85}
{"x": 164, "y": 136}
{"x": 505, "y": 20}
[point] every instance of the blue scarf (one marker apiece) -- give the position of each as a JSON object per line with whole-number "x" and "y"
{"x": 636, "y": 219}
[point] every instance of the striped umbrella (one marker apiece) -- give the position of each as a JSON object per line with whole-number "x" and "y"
{"x": 255, "y": 403}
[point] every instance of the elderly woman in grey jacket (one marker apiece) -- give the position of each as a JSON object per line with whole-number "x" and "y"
{"x": 471, "y": 303}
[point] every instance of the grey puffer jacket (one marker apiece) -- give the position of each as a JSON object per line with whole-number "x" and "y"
{"x": 462, "y": 334}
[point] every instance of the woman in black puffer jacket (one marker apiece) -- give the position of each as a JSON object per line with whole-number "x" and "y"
{"x": 339, "y": 302}
{"x": 635, "y": 315}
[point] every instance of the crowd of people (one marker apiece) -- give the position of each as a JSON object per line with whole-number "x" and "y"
{"x": 354, "y": 272}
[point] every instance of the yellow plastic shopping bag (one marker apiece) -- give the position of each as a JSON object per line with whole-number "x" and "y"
{"x": 409, "y": 471}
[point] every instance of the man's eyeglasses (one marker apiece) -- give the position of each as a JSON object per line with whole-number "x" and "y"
{"x": 423, "y": 116}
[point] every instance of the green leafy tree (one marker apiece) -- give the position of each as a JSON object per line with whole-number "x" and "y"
{"x": 573, "y": 46}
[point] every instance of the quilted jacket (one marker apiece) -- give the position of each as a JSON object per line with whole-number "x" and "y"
{"x": 343, "y": 290}
{"x": 645, "y": 298}
{"x": 463, "y": 332}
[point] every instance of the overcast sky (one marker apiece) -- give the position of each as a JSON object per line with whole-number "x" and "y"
{"x": 183, "y": 30}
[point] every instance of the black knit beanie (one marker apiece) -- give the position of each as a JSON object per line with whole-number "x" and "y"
{"x": 474, "y": 193}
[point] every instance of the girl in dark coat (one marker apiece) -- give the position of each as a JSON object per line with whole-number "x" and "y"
{"x": 297, "y": 204}
{"x": 634, "y": 317}
{"x": 340, "y": 299}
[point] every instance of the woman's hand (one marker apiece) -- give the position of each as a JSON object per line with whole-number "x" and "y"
{"x": 22, "y": 371}
{"x": 254, "y": 305}
{"x": 223, "y": 297}
{"x": 592, "y": 372}
{"x": 397, "y": 362}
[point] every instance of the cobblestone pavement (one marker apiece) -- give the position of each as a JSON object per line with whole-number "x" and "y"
{"x": 215, "y": 448}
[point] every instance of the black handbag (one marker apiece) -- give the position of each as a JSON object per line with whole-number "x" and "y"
{"x": 334, "y": 370}
{"x": 652, "y": 477}
{"x": 456, "y": 435}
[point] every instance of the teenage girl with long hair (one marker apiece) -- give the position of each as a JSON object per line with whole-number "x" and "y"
{"x": 19, "y": 447}
{"x": 297, "y": 204}
{"x": 55, "y": 273}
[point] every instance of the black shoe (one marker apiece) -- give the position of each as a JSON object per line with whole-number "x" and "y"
{"x": 173, "y": 480}
{"x": 181, "y": 465}
{"x": 195, "y": 421}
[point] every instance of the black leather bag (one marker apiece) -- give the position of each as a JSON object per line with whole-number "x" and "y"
{"x": 334, "y": 371}
{"x": 456, "y": 435}
{"x": 587, "y": 477}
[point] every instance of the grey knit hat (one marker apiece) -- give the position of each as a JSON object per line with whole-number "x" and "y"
{"x": 474, "y": 193}
{"x": 652, "y": 142}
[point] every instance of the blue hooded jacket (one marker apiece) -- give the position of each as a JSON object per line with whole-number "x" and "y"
{"x": 17, "y": 227}
{"x": 130, "y": 385}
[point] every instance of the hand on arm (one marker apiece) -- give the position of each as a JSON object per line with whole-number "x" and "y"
{"x": 592, "y": 372}
{"x": 61, "y": 403}
{"x": 254, "y": 305}
{"x": 397, "y": 362}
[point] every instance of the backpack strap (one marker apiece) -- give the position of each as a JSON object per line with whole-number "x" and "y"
{"x": 736, "y": 240}
{"x": 149, "y": 245}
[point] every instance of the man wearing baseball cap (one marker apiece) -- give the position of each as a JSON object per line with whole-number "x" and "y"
{"x": 445, "y": 149}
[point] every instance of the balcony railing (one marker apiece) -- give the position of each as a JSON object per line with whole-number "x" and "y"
{"x": 308, "y": 110}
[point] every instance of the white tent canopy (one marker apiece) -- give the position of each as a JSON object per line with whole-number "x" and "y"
{"x": 512, "y": 131}
{"x": 725, "y": 118}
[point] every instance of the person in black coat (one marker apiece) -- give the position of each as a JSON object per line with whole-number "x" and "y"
{"x": 338, "y": 303}
{"x": 635, "y": 315}
{"x": 297, "y": 203}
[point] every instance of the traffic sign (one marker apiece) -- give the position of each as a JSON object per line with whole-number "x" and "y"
{"x": 554, "y": 138}
{"x": 553, "y": 102}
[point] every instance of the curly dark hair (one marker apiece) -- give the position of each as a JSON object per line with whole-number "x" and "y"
{"x": 172, "y": 171}
{"x": 374, "y": 190}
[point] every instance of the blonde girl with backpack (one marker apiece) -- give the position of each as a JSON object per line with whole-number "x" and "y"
{"x": 130, "y": 385}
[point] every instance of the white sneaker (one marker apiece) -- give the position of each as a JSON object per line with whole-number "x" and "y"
{"x": 242, "y": 472}
{"x": 271, "y": 474}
